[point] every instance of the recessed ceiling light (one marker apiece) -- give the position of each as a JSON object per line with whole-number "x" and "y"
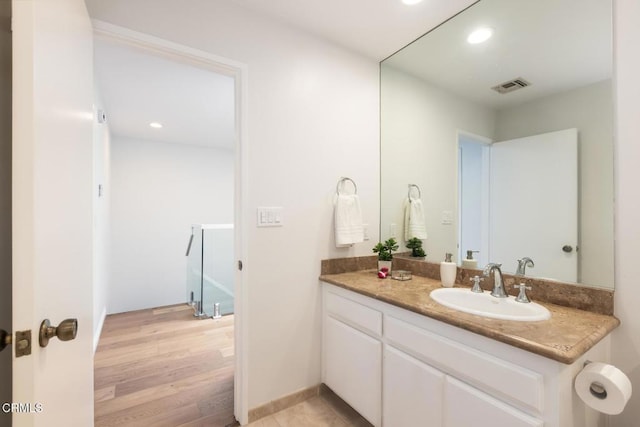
{"x": 155, "y": 125}
{"x": 411, "y": 2}
{"x": 480, "y": 35}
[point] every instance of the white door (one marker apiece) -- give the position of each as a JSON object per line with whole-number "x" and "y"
{"x": 534, "y": 204}
{"x": 52, "y": 212}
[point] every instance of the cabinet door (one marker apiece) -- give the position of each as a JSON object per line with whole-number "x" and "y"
{"x": 467, "y": 406}
{"x": 412, "y": 391}
{"x": 353, "y": 368}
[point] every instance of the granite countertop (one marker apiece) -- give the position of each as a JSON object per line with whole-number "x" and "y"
{"x": 565, "y": 337}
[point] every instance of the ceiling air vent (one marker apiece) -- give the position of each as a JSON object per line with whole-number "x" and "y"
{"x": 511, "y": 85}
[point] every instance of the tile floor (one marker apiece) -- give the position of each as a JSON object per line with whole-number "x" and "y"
{"x": 326, "y": 410}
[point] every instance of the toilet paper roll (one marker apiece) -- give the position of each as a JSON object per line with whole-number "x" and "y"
{"x": 603, "y": 387}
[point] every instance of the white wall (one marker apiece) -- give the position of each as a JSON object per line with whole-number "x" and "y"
{"x": 626, "y": 339}
{"x": 313, "y": 117}
{"x": 589, "y": 110}
{"x": 157, "y": 191}
{"x": 419, "y": 129}
{"x": 101, "y": 216}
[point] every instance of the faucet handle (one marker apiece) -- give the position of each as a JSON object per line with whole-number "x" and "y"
{"x": 522, "y": 296}
{"x": 476, "y": 284}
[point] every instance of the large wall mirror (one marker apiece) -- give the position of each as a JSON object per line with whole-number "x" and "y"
{"x": 508, "y": 142}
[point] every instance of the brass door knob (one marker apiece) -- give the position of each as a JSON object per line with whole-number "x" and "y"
{"x": 65, "y": 331}
{"x": 5, "y": 339}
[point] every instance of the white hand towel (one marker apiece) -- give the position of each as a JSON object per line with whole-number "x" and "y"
{"x": 348, "y": 220}
{"x": 414, "y": 223}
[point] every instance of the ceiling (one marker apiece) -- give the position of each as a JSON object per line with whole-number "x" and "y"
{"x": 554, "y": 45}
{"x": 375, "y": 28}
{"x": 195, "y": 105}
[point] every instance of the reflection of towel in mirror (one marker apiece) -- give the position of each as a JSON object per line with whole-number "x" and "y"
{"x": 348, "y": 220}
{"x": 414, "y": 224}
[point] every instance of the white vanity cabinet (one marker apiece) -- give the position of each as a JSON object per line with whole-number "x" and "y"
{"x": 412, "y": 393}
{"x": 398, "y": 368}
{"x": 352, "y": 355}
{"x": 416, "y": 394}
{"x": 467, "y": 406}
{"x": 353, "y": 364}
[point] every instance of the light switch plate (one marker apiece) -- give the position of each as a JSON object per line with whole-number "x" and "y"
{"x": 270, "y": 217}
{"x": 447, "y": 217}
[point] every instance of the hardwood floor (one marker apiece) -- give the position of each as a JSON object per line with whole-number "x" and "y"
{"x": 162, "y": 367}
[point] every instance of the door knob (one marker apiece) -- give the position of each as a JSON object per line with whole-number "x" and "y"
{"x": 65, "y": 331}
{"x": 567, "y": 248}
{"x": 5, "y": 339}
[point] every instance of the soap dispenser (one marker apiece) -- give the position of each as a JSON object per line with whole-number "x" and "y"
{"x": 448, "y": 270}
{"x": 469, "y": 262}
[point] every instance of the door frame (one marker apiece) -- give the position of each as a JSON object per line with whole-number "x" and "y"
{"x": 239, "y": 72}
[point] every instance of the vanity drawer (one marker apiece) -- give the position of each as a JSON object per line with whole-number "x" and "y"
{"x": 355, "y": 314}
{"x": 495, "y": 376}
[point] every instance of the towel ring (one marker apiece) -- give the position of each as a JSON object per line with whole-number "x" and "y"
{"x": 342, "y": 180}
{"x": 411, "y": 187}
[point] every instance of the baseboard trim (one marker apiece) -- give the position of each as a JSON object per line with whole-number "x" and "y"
{"x": 98, "y": 331}
{"x": 284, "y": 403}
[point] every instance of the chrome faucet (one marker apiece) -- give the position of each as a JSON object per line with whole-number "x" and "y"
{"x": 522, "y": 265}
{"x": 498, "y": 284}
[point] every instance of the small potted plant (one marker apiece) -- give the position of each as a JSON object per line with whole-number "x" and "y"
{"x": 415, "y": 245}
{"x": 385, "y": 253}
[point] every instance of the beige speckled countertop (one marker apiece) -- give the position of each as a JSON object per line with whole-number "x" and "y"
{"x": 565, "y": 337}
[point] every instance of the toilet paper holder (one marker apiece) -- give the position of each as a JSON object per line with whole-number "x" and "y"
{"x": 603, "y": 387}
{"x": 596, "y": 389}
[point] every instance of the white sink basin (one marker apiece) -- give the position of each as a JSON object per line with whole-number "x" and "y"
{"x": 485, "y": 305}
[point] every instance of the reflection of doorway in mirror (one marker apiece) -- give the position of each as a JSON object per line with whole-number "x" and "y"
{"x": 473, "y": 196}
{"x": 534, "y": 204}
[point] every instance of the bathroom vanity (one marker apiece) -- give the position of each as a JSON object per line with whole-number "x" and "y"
{"x": 401, "y": 359}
